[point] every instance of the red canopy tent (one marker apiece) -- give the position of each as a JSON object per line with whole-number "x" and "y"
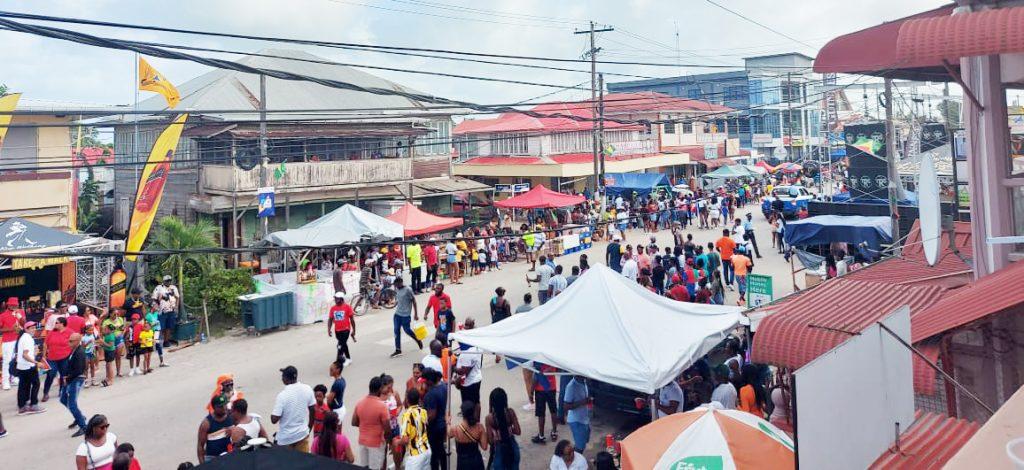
{"x": 417, "y": 222}
{"x": 540, "y": 198}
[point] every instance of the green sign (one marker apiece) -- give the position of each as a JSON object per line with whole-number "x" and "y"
{"x": 699, "y": 462}
{"x": 759, "y": 290}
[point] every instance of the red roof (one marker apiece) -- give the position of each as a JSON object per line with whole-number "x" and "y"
{"x": 552, "y": 159}
{"x": 93, "y": 155}
{"x": 929, "y": 443}
{"x": 786, "y": 338}
{"x": 615, "y": 103}
{"x": 911, "y": 269}
{"x": 990, "y": 295}
{"x": 540, "y": 197}
{"x": 417, "y": 222}
{"x": 875, "y": 50}
{"x": 928, "y": 41}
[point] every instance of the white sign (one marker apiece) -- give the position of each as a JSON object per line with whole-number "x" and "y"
{"x": 710, "y": 151}
{"x": 874, "y": 371}
{"x": 762, "y": 139}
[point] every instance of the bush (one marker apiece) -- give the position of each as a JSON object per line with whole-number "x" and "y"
{"x": 220, "y": 288}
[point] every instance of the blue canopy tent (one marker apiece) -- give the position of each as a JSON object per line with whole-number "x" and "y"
{"x": 626, "y": 184}
{"x": 825, "y": 229}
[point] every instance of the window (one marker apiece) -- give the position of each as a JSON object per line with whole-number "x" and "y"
{"x": 756, "y": 94}
{"x": 436, "y": 142}
{"x": 687, "y": 127}
{"x": 670, "y": 127}
{"x": 513, "y": 143}
{"x": 693, "y": 93}
{"x": 19, "y": 148}
{"x": 735, "y": 92}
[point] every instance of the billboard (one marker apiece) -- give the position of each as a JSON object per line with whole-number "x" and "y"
{"x": 871, "y": 370}
{"x": 866, "y": 151}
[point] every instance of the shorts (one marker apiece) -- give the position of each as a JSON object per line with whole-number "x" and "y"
{"x": 109, "y": 356}
{"x": 146, "y": 350}
{"x": 540, "y": 398}
{"x": 451, "y": 259}
{"x": 482, "y": 264}
{"x": 372, "y": 457}
{"x": 654, "y": 217}
{"x": 90, "y": 356}
{"x": 119, "y": 341}
{"x": 133, "y": 350}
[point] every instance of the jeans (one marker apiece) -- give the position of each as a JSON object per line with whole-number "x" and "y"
{"x": 417, "y": 278}
{"x": 402, "y": 323}
{"x": 8, "y": 351}
{"x": 168, "y": 325}
{"x": 718, "y": 299}
{"x": 506, "y": 456}
{"x": 342, "y": 337}
{"x": 753, "y": 242}
{"x": 28, "y": 387}
{"x": 542, "y": 296}
{"x": 741, "y": 284}
{"x": 438, "y": 455}
{"x": 69, "y": 398}
{"x": 580, "y": 435}
{"x": 728, "y": 272}
{"x": 56, "y": 368}
{"x": 431, "y": 277}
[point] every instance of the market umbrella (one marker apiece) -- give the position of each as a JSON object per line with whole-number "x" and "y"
{"x": 766, "y": 166}
{"x": 275, "y": 458}
{"x": 418, "y": 222}
{"x": 541, "y": 198}
{"x": 790, "y": 167}
{"x": 708, "y": 438}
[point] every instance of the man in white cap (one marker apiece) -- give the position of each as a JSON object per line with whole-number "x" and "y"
{"x": 613, "y": 255}
{"x": 167, "y": 296}
{"x": 341, "y": 323}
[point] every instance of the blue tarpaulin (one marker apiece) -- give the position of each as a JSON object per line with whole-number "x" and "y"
{"x": 825, "y": 229}
{"x": 627, "y": 183}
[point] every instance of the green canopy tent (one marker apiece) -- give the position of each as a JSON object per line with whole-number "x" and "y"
{"x": 728, "y": 172}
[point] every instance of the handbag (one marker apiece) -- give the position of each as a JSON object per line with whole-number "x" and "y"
{"x": 12, "y": 367}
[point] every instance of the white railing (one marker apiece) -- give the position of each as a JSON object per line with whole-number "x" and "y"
{"x": 312, "y": 176}
{"x": 712, "y": 137}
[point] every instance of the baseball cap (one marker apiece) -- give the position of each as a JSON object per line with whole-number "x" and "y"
{"x": 290, "y": 372}
{"x": 12, "y": 301}
{"x": 219, "y": 400}
{"x": 135, "y": 316}
{"x": 676, "y": 278}
{"x": 168, "y": 277}
{"x": 339, "y": 295}
{"x": 30, "y": 324}
{"x": 73, "y": 309}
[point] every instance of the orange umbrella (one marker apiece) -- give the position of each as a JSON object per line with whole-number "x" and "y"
{"x": 708, "y": 438}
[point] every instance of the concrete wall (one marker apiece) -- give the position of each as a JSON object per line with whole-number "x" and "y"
{"x": 30, "y": 190}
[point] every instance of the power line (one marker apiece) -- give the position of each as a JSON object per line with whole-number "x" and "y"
{"x": 523, "y": 16}
{"x": 344, "y": 45}
{"x": 769, "y": 28}
{"x": 433, "y": 15}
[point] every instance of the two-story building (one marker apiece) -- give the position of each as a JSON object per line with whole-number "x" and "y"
{"x": 558, "y": 151}
{"x": 326, "y": 146}
{"x": 778, "y": 101}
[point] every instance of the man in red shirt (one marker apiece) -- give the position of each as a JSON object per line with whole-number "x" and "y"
{"x": 726, "y": 246}
{"x": 434, "y": 303}
{"x": 56, "y": 349}
{"x": 430, "y": 256}
{"x": 341, "y": 323}
{"x": 75, "y": 321}
{"x": 371, "y": 417}
{"x": 11, "y": 320}
{"x": 678, "y": 291}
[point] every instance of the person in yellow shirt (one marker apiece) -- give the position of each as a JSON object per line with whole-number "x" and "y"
{"x": 146, "y": 345}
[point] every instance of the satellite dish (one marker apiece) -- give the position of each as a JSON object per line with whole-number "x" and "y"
{"x": 247, "y": 158}
{"x": 930, "y": 211}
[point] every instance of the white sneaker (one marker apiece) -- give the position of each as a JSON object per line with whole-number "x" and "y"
{"x": 7, "y": 386}
{"x": 347, "y": 362}
{"x": 131, "y": 372}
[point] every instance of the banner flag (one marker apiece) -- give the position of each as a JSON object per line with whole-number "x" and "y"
{"x": 7, "y": 104}
{"x": 151, "y": 185}
{"x": 151, "y": 80}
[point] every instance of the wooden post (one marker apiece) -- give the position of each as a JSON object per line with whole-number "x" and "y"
{"x": 206, "y": 320}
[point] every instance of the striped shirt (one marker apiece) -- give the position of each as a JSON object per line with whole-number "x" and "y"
{"x": 414, "y": 428}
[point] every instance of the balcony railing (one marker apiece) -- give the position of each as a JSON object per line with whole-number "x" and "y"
{"x": 712, "y": 137}
{"x": 319, "y": 176}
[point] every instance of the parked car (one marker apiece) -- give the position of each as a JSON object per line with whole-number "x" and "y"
{"x": 792, "y": 197}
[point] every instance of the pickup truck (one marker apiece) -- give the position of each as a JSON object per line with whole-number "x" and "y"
{"x": 792, "y": 197}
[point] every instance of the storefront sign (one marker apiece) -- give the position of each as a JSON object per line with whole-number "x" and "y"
{"x": 13, "y": 281}
{"x": 520, "y": 187}
{"x": 265, "y": 204}
{"x": 37, "y": 263}
{"x": 503, "y": 188}
{"x": 761, "y": 139}
{"x": 710, "y": 151}
{"x": 759, "y": 290}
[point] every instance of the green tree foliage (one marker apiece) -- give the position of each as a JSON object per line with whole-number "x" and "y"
{"x": 220, "y": 289}
{"x": 174, "y": 234}
{"x": 88, "y": 204}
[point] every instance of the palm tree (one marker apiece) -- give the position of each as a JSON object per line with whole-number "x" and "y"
{"x": 175, "y": 234}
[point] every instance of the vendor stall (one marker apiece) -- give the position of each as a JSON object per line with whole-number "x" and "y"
{"x": 311, "y": 300}
{"x": 540, "y": 197}
{"x": 346, "y": 224}
{"x": 417, "y": 222}
{"x": 610, "y": 329}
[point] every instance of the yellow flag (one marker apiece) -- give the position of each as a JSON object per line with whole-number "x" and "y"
{"x": 7, "y": 104}
{"x": 151, "y": 80}
{"x": 151, "y": 185}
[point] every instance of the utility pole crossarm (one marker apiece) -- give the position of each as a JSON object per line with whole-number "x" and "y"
{"x": 594, "y": 134}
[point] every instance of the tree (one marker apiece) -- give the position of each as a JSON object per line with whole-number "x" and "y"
{"x": 88, "y": 203}
{"x": 3, "y": 89}
{"x": 175, "y": 234}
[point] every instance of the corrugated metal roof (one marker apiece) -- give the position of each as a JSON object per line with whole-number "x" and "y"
{"x": 799, "y": 329}
{"x": 222, "y": 89}
{"x": 990, "y": 295}
{"x": 929, "y": 443}
{"x": 951, "y": 271}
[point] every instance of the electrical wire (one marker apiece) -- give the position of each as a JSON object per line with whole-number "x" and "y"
{"x": 357, "y": 46}
{"x": 769, "y": 28}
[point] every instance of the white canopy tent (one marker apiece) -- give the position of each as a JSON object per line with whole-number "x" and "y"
{"x": 346, "y": 224}
{"x": 611, "y": 329}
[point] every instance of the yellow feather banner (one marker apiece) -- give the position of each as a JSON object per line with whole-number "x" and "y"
{"x": 151, "y": 185}
{"x": 7, "y": 105}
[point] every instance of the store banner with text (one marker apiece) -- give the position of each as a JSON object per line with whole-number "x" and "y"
{"x": 151, "y": 185}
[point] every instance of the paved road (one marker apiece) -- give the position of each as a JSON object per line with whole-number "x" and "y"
{"x": 160, "y": 413}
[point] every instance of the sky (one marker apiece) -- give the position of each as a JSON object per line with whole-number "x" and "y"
{"x": 645, "y": 30}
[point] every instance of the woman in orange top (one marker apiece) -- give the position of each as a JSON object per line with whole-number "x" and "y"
{"x": 752, "y": 396}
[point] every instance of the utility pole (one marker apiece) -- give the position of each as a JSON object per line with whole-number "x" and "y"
{"x": 264, "y": 158}
{"x": 789, "y": 114}
{"x": 600, "y": 130}
{"x": 593, "y": 100}
{"x": 893, "y": 173}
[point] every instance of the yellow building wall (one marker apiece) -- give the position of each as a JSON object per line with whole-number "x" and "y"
{"x": 46, "y": 198}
